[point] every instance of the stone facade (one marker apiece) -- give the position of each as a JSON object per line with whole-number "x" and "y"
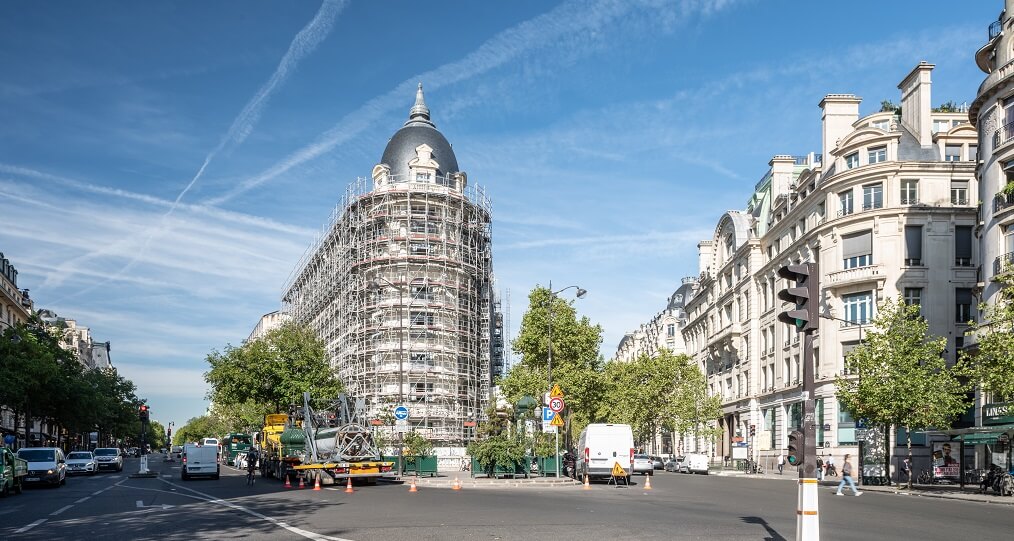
{"x": 268, "y": 323}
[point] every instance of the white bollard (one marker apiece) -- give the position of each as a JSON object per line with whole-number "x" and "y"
{"x": 144, "y": 465}
{"x": 807, "y": 519}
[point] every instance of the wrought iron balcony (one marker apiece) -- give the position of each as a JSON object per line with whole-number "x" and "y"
{"x": 1003, "y": 201}
{"x": 1003, "y": 135}
{"x": 1003, "y": 263}
{"x": 995, "y": 28}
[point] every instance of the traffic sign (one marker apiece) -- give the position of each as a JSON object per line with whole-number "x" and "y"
{"x": 401, "y": 425}
{"x": 401, "y": 413}
{"x": 861, "y": 434}
{"x": 556, "y": 404}
{"x": 547, "y": 415}
{"x": 557, "y": 392}
{"x": 618, "y": 470}
{"x": 557, "y": 421}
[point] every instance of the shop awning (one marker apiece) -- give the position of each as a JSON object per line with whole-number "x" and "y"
{"x": 988, "y": 438}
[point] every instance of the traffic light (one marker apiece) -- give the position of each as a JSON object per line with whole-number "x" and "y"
{"x": 795, "y": 457}
{"x": 805, "y": 295}
{"x": 142, "y": 412}
{"x": 753, "y": 430}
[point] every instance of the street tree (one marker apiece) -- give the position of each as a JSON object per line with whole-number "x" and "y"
{"x": 197, "y": 428}
{"x": 899, "y": 377}
{"x": 577, "y": 363}
{"x": 273, "y": 371}
{"x": 990, "y": 364}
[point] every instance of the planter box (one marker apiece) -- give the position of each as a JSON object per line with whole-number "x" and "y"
{"x": 519, "y": 469}
{"x": 547, "y": 466}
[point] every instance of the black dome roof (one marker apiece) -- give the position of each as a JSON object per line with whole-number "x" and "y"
{"x": 417, "y": 131}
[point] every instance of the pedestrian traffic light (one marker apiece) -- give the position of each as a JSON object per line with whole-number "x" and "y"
{"x": 143, "y": 413}
{"x": 805, "y": 295}
{"x": 795, "y": 454}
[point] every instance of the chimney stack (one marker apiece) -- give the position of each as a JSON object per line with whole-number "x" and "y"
{"x": 840, "y": 111}
{"x": 915, "y": 103}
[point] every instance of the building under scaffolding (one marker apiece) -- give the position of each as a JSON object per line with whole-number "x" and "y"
{"x": 399, "y": 286}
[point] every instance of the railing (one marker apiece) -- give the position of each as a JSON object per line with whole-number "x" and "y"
{"x": 872, "y": 206}
{"x": 869, "y": 272}
{"x": 1003, "y": 201}
{"x": 1003, "y": 134}
{"x": 909, "y": 200}
{"x": 845, "y": 212}
{"x": 995, "y": 28}
{"x": 1000, "y": 264}
{"x": 959, "y": 201}
{"x": 962, "y": 262}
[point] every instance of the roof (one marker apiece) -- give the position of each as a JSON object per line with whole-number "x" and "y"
{"x": 418, "y": 130}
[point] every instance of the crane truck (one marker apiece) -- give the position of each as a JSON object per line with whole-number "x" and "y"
{"x": 333, "y": 444}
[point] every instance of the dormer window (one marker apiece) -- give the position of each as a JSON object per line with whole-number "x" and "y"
{"x": 852, "y": 160}
{"x": 877, "y": 154}
{"x": 881, "y": 124}
{"x": 425, "y": 177}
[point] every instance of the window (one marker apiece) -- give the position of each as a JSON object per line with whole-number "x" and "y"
{"x": 785, "y": 372}
{"x": 422, "y": 176}
{"x": 846, "y": 428}
{"x": 852, "y": 160}
{"x": 941, "y": 125}
{"x": 419, "y": 391}
{"x": 419, "y": 248}
{"x": 420, "y": 359}
{"x": 963, "y": 246}
{"x": 881, "y": 124}
{"x": 952, "y": 153}
{"x": 846, "y": 350}
{"x": 973, "y": 153}
{"x": 877, "y": 154}
{"x": 963, "y": 305}
{"x": 959, "y": 193}
{"x": 422, "y": 293}
{"x": 820, "y": 209}
{"x": 846, "y": 203}
{"x": 858, "y": 307}
{"x": 764, "y": 378}
{"x": 913, "y": 245}
{"x": 913, "y": 296}
{"x": 909, "y": 192}
{"x": 422, "y": 318}
{"x": 798, "y": 374}
{"x": 670, "y": 330}
{"x": 873, "y": 196}
{"x": 857, "y": 250}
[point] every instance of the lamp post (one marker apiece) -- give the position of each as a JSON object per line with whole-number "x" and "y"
{"x": 549, "y": 364}
{"x": 375, "y": 286}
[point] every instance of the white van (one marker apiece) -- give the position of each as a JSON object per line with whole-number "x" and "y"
{"x": 200, "y": 459}
{"x": 695, "y": 463}
{"x": 601, "y": 446}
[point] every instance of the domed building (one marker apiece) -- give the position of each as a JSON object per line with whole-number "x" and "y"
{"x": 400, "y": 287}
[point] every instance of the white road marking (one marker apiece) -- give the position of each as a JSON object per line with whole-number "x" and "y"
{"x": 61, "y": 510}
{"x": 298, "y": 531}
{"x": 30, "y": 526}
{"x": 96, "y": 493}
{"x": 82, "y": 500}
{"x": 140, "y": 503}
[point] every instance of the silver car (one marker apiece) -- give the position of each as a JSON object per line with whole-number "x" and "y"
{"x": 82, "y": 462}
{"x": 108, "y": 458}
{"x": 643, "y": 465}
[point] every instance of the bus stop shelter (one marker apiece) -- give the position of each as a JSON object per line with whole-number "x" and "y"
{"x": 990, "y": 435}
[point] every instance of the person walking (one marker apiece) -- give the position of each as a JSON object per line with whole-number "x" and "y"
{"x": 781, "y": 462}
{"x": 831, "y": 470}
{"x": 906, "y": 468}
{"x": 846, "y": 477}
{"x": 820, "y": 468}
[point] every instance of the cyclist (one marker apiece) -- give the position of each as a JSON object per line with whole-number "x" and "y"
{"x": 251, "y": 465}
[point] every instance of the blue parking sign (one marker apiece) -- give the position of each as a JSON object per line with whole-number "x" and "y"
{"x": 547, "y": 415}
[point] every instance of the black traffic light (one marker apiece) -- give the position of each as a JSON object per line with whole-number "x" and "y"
{"x": 805, "y": 295}
{"x": 795, "y": 453}
{"x": 753, "y": 430}
{"x": 142, "y": 412}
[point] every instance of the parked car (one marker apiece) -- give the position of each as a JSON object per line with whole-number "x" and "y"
{"x": 675, "y": 464}
{"x": 642, "y": 465}
{"x": 82, "y": 462}
{"x": 657, "y": 463}
{"x": 695, "y": 463}
{"x": 108, "y": 458}
{"x": 45, "y": 465}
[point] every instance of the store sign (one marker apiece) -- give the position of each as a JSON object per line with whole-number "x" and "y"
{"x": 997, "y": 414}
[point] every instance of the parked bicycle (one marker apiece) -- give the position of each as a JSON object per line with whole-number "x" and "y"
{"x": 926, "y": 478}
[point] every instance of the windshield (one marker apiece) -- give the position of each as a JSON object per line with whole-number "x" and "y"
{"x": 240, "y": 439}
{"x": 107, "y": 452}
{"x": 79, "y": 456}
{"x": 37, "y": 455}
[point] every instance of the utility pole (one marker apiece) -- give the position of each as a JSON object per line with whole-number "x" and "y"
{"x": 805, "y": 319}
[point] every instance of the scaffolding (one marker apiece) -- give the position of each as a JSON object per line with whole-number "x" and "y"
{"x": 399, "y": 286}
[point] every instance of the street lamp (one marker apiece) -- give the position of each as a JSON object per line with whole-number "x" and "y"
{"x": 375, "y": 286}
{"x": 549, "y": 364}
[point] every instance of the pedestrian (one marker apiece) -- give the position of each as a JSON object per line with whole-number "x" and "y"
{"x": 820, "y": 468}
{"x": 831, "y": 470}
{"x": 906, "y": 468}
{"x": 781, "y": 462}
{"x": 846, "y": 477}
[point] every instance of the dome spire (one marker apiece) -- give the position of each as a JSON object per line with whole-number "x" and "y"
{"x": 419, "y": 112}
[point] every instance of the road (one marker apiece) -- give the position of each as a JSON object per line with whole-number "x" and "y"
{"x": 679, "y": 507}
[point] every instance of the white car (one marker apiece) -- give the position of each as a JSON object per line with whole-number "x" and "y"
{"x": 82, "y": 462}
{"x": 643, "y": 465}
{"x": 108, "y": 458}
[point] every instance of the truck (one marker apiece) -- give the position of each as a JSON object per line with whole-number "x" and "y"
{"x": 13, "y": 471}
{"x": 233, "y": 445}
{"x": 332, "y": 445}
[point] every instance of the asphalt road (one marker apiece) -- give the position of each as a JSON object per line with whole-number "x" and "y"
{"x": 114, "y": 506}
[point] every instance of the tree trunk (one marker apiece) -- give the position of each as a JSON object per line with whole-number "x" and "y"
{"x": 908, "y": 441}
{"x": 28, "y": 426}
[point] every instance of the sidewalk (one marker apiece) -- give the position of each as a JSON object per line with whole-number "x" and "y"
{"x": 950, "y": 492}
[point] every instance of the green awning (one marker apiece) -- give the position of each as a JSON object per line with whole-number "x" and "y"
{"x": 988, "y": 438}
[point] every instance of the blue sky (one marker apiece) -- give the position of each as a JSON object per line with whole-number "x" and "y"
{"x": 163, "y": 166}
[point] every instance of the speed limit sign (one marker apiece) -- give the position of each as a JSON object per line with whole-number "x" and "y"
{"x": 556, "y": 405}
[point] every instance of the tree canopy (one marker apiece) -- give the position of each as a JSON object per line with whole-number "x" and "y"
{"x": 991, "y": 363}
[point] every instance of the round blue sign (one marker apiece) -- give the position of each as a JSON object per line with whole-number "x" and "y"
{"x": 9, "y": 439}
{"x": 401, "y": 413}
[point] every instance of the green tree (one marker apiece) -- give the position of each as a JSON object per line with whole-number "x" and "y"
{"x": 898, "y": 376}
{"x": 415, "y": 444}
{"x": 197, "y": 428}
{"x": 272, "y": 372}
{"x": 577, "y": 363}
{"x": 990, "y": 364}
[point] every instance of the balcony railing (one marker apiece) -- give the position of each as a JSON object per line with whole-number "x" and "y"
{"x": 994, "y": 29}
{"x": 1004, "y": 134}
{"x": 1003, "y": 201}
{"x": 1003, "y": 263}
{"x": 858, "y": 274}
{"x": 909, "y": 200}
{"x": 959, "y": 201}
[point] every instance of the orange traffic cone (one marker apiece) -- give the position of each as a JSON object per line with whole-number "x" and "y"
{"x": 587, "y": 485}
{"x": 411, "y": 487}
{"x": 301, "y": 485}
{"x": 456, "y": 485}
{"x": 348, "y": 487}
{"x": 287, "y": 483}
{"x": 647, "y": 482}
{"x": 316, "y": 482}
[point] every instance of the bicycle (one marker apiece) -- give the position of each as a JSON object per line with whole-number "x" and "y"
{"x": 926, "y": 478}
